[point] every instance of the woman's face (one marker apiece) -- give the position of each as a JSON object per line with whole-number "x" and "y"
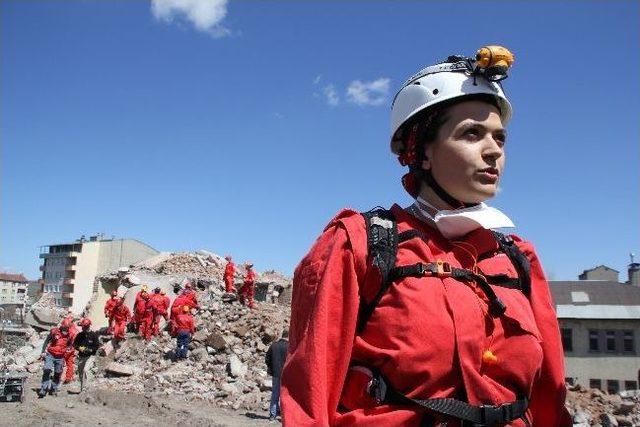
{"x": 467, "y": 157}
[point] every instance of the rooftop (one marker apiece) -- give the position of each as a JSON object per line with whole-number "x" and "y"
{"x": 8, "y": 277}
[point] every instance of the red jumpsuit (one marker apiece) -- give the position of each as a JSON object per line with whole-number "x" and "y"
{"x": 70, "y": 354}
{"x": 160, "y": 305}
{"x": 108, "y": 308}
{"x": 139, "y": 308}
{"x": 427, "y": 335}
{"x": 248, "y": 288}
{"x": 229, "y": 272}
{"x": 145, "y": 314}
{"x": 121, "y": 316}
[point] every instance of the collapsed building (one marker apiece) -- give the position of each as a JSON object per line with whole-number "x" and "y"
{"x": 226, "y": 365}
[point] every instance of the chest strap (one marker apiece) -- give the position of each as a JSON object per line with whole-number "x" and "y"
{"x": 442, "y": 270}
{"x": 480, "y": 416}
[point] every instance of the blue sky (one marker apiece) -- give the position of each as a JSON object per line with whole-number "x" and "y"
{"x": 232, "y": 129}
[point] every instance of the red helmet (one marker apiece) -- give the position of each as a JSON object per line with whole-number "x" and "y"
{"x": 85, "y": 323}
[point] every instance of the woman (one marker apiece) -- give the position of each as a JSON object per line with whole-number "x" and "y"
{"x": 425, "y": 315}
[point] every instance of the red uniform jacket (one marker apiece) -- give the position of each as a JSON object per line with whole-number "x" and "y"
{"x": 59, "y": 344}
{"x": 229, "y": 271}
{"x": 140, "y": 305}
{"x": 427, "y": 335}
{"x": 160, "y": 304}
{"x": 250, "y": 277}
{"x": 121, "y": 313}
{"x": 184, "y": 323}
{"x": 109, "y": 305}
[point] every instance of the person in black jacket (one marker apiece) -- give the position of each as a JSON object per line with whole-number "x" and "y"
{"x": 87, "y": 344}
{"x": 276, "y": 356}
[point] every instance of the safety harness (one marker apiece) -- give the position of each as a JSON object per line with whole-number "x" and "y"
{"x": 382, "y": 242}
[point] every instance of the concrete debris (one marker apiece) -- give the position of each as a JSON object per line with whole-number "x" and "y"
{"x": 44, "y": 314}
{"x": 23, "y": 355}
{"x": 590, "y": 407}
{"x": 115, "y": 368}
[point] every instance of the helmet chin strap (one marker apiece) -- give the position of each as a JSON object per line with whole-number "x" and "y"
{"x": 427, "y": 178}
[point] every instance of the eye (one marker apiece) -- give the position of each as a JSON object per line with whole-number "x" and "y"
{"x": 500, "y": 138}
{"x": 471, "y": 133}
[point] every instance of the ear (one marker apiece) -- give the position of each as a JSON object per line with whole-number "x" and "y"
{"x": 428, "y": 155}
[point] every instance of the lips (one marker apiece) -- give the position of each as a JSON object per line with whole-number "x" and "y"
{"x": 489, "y": 175}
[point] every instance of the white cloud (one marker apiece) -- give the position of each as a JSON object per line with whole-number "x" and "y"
{"x": 331, "y": 94}
{"x": 205, "y": 15}
{"x": 317, "y": 79}
{"x": 368, "y": 93}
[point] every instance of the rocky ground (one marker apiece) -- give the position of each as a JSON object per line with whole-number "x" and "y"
{"x": 103, "y": 407}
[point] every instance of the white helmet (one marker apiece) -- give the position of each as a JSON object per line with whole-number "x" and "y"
{"x": 437, "y": 83}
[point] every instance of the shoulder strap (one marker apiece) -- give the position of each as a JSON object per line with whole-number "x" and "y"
{"x": 518, "y": 259}
{"x": 382, "y": 247}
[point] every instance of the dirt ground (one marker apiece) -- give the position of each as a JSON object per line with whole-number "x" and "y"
{"x": 101, "y": 407}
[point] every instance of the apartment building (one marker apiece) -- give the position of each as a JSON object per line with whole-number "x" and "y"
{"x": 600, "y": 326}
{"x": 13, "y": 288}
{"x": 69, "y": 269}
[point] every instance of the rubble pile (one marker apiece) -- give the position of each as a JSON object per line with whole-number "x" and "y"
{"x": 26, "y": 356}
{"x": 197, "y": 264}
{"x": 226, "y": 359}
{"x": 593, "y": 407}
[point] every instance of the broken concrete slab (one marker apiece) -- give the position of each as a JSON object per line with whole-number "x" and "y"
{"x": 119, "y": 369}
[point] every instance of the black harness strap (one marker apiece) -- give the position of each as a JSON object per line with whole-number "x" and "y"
{"x": 483, "y": 415}
{"x": 382, "y": 245}
{"x": 518, "y": 259}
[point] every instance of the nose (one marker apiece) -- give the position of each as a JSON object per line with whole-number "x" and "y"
{"x": 493, "y": 149}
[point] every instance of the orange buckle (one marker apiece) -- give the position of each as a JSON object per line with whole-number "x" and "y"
{"x": 443, "y": 268}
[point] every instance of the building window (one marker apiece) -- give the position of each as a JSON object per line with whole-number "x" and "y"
{"x": 627, "y": 342}
{"x": 593, "y": 383}
{"x": 630, "y": 385}
{"x": 611, "y": 340}
{"x": 594, "y": 342}
{"x": 613, "y": 386}
{"x": 567, "y": 339}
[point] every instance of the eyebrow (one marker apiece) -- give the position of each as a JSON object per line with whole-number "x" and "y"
{"x": 471, "y": 123}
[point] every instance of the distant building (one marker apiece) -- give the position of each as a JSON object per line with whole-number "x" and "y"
{"x": 69, "y": 269}
{"x": 600, "y": 327}
{"x": 13, "y": 288}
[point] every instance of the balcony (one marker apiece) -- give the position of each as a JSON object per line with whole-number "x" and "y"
{"x": 67, "y": 295}
{"x": 68, "y": 288}
{"x": 70, "y": 267}
{"x": 67, "y": 282}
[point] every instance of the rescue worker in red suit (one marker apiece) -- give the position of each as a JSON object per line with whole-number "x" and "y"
{"x": 495, "y": 350}
{"x": 70, "y": 355}
{"x": 108, "y": 308}
{"x": 229, "y": 272}
{"x": 121, "y": 316}
{"x": 160, "y": 302}
{"x": 139, "y": 307}
{"x": 183, "y": 329}
{"x": 187, "y": 297}
{"x": 247, "y": 291}
{"x": 55, "y": 347}
{"x": 145, "y": 312}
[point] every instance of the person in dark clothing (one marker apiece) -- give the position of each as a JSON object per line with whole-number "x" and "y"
{"x": 276, "y": 356}
{"x": 87, "y": 344}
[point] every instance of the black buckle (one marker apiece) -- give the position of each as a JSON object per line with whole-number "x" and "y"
{"x": 492, "y": 415}
{"x": 377, "y": 388}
